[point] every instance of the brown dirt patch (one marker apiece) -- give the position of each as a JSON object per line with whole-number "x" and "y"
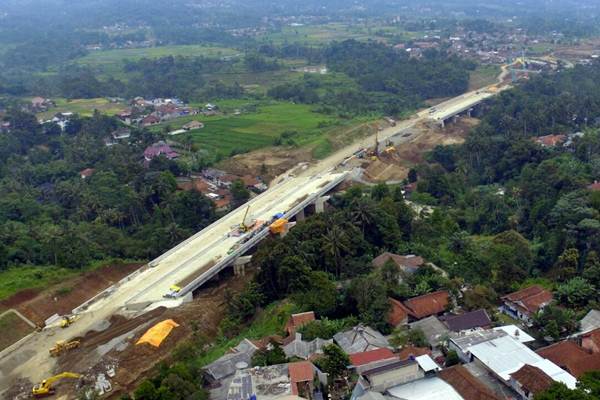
{"x": 276, "y": 162}
{"x": 63, "y": 298}
{"x": 394, "y": 166}
{"x": 135, "y": 362}
{"x": 13, "y": 329}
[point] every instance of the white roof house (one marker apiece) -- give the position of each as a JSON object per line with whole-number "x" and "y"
{"x": 425, "y": 389}
{"x": 590, "y": 322}
{"x": 505, "y": 355}
{"x": 427, "y": 364}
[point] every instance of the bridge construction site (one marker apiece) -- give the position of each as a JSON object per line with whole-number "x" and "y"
{"x": 171, "y": 279}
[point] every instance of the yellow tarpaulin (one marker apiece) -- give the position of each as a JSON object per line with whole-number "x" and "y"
{"x": 155, "y": 335}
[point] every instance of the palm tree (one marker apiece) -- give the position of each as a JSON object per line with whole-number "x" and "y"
{"x": 336, "y": 242}
{"x": 362, "y": 214}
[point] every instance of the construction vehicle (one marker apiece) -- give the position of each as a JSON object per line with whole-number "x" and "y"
{"x": 245, "y": 226}
{"x": 45, "y": 387}
{"x": 173, "y": 290}
{"x": 62, "y": 345}
{"x": 279, "y": 226}
{"x": 67, "y": 320}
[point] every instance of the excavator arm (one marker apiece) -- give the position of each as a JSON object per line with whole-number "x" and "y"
{"x": 45, "y": 387}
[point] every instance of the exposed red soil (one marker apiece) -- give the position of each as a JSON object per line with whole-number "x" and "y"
{"x": 39, "y": 305}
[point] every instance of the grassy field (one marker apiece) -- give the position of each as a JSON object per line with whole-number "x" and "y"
{"x": 16, "y": 279}
{"x": 484, "y": 75}
{"x": 84, "y": 107}
{"x": 13, "y": 329}
{"x": 325, "y": 33}
{"x": 107, "y": 57}
{"x": 256, "y": 127}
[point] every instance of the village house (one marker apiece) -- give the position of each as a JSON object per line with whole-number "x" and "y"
{"x": 468, "y": 321}
{"x": 159, "y": 149}
{"x": 228, "y": 364}
{"x": 503, "y": 356}
{"x": 435, "y": 303}
{"x": 359, "y": 339}
{"x": 121, "y": 134}
{"x": 408, "y": 264}
{"x": 193, "y": 125}
{"x": 294, "y": 346}
{"x": 529, "y": 381}
{"x": 434, "y": 330}
{"x": 40, "y": 104}
{"x": 571, "y": 357}
{"x": 594, "y": 187}
{"x": 591, "y": 341}
{"x": 550, "y": 140}
{"x": 370, "y": 359}
{"x": 86, "y": 173}
{"x": 523, "y": 304}
{"x": 150, "y": 120}
{"x": 590, "y": 322}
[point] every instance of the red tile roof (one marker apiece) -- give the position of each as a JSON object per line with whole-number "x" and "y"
{"x": 530, "y": 299}
{"x": 428, "y": 304}
{"x": 532, "y": 379}
{"x": 398, "y": 313}
{"x": 301, "y": 371}
{"x": 87, "y": 172}
{"x": 469, "y": 387}
{"x": 565, "y": 354}
{"x": 367, "y": 357}
{"x": 297, "y": 320}
{"x": 594, "y": 186}
{"x": 594, "y": 337}
{"x": 411, "y": 351}
{"x": 550, "y": 140}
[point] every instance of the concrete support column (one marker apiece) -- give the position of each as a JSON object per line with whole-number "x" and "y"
{"x": 443, "y": 123}
{"x": 239, "y": 270}
{"x": 320, "y": 204}
{"x": 300, "y": 216}
{"x": 469, "y": 111}
{"x": 455, "y": 118}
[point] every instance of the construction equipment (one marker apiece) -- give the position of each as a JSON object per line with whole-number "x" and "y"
{"x": 244, "y": 226}
{"x": 67, "y": 321}
{"x": 279, "y": 226}
{"x": 45, "y": 387}
{"x": 62, "y": 345}
{"x": 173, "y": 291}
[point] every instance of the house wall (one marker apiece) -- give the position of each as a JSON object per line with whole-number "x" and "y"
{"x": 385, "y": 380}
{"x": 516, "y": 386}
{"x": 464, "y": 356}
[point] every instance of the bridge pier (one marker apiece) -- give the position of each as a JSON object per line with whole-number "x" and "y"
{"x": 469, "y": 111}
{"x": 300, "y": 216}
{"x": 320, "y": 204}
{"x": 239, "y": 265}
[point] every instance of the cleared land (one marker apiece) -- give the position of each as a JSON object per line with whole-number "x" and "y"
{"x": 13, "y": 329}
{"x": 84, "y": 107}
{"x": 483, "y": 76}
{"x": 117, "y": 56}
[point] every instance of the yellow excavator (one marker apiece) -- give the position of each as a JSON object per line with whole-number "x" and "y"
{"x": 62, "y": 345}
{"x": 45, "y": 387}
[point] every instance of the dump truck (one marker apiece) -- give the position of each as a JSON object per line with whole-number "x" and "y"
{"x": 62, "y": 345}
{"x": 45, "y": 388}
